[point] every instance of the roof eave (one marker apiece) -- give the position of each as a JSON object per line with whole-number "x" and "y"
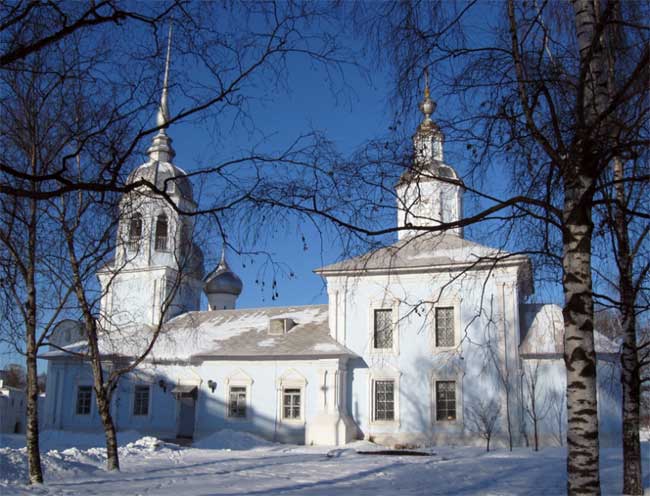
{"x": 511, "y": 261}
{"x": 204, "y": 357}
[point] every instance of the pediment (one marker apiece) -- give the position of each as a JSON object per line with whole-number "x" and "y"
{"x": 239, "y": 377}
{"x": 292, "y": 376}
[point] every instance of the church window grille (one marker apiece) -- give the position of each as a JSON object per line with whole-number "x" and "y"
{"x": 291, "y": 403}
{"x": 384, "y": 400}
{"x": 161, "y": 232}
{"x": 141, "y": 400}
{"x": 237, "y": 402}
{"x": 84, "y": 398}
{"x": 135, "y": 232}
{"x": 445, "y": 326}
{"x": 383, "y": 329}
{"x": 445, "y": 400}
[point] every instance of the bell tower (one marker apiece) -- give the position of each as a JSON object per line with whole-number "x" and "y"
{"x": 157, "y": 270}
{"x": 430, "y": 192}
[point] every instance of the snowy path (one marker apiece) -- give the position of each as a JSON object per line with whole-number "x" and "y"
{"x": 279, "y": 470}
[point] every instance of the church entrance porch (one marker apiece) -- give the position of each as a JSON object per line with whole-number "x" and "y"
{"x": 186, "y": 408}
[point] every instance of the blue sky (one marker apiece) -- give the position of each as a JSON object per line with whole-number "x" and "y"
{"x": 350, "y": 118}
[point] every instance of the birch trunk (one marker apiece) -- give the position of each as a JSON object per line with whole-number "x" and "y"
{"x": 630, "y": 381}
{"x": 32, "y": 433}
{"x": 579, "y": 353}
{"x": 104, "y": 409}
{"x": 102, "y": 395}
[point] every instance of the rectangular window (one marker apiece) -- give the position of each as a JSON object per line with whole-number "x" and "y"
{"x": 383, "y": 330}
{"x": 384, "y": 400}
{"x": 291, "y": 404}
{"x": 161, "y": 233}
{"x": 445, "y": 326}
{"x": 135, "y": 232}
{"x": 84, "y": 397}
{"x": 237, "y": 403}
{"x": 141, "y": 400}
{"x": 445, "y": 400}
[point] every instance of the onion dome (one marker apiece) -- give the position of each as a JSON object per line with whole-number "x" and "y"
{"x": 222, "y": 280}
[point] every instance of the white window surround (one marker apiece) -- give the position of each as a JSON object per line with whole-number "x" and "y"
{"x": 384, "y": 375}
{"x": 239, "y": 378}
{"x": 291, "y": 379}
{"x": 387, "y": 303}
{"x": 446, "y": 303}
{"x": 440, "y": 377}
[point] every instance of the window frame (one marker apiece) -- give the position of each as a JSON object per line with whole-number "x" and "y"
{"x": 238, "y": 378}
{"x": 244, "y": 390}
{"x": 135, "y": 403}
{"x": 295, "y": 391}
{"x": 389, "y": 304}
{"x": 384, "y": 375}
{"x": 447, "y": 405}
{"x": 437, "y": 328}
{"x": 90, "y": 400}
{"x": 454, "y": 304}
{"x": 456, "y": 378}
{"x": 376, "y": 330}
{"x": 375, "y": 402}
{"x": 132, "y": 241}
{"x": 291, "y": 379}
{"x": 163, "y": 247}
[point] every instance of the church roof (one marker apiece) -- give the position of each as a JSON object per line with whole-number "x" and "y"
{"x": 228, "y": 335}
{"x": 421, "y": 252}
{"x": 435, "y": 171}
{"x": 165, "y": 176}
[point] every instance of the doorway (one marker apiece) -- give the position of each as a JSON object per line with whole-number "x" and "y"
{"x": 186, "y": 401}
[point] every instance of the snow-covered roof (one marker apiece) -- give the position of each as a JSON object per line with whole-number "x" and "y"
{"x": 542, "y": 332}
{"x": 227, "y": 334}
{"x": 429, "y": 250}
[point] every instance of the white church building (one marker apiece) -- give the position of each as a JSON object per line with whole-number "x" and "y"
{"x": 416, "y": 339}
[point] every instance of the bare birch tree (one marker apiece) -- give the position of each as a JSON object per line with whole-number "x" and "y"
{"x": 558, "y": 414}
{"x": 537, "y": 400}
{"x": 483, "y": 419}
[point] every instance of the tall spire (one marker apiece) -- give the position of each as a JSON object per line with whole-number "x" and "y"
{"x": 163, "y": 111}
{"x": 223, "y": 263}
{"x": 161, "y": 148}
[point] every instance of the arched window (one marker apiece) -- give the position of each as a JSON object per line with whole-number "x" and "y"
{"x": 161, "y": 232}
{"x": 135, "y": 231}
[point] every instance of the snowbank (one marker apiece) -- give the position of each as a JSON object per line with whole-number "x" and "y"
{"x": 57, "y": 440}
{"x": 65, "y": 454}
{"x": 227, "y": 439}
{"x": 56, "y": 464}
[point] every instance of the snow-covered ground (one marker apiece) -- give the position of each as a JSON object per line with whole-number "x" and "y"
{"x": 230, "y": 463}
